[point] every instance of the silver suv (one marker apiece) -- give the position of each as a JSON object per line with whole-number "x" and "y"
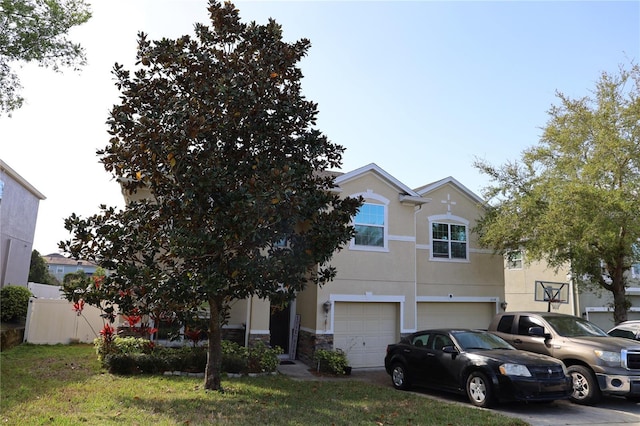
{"x": 597, "y": 362}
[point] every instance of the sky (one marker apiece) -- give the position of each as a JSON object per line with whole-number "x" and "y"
{"x": 421, "y": 88}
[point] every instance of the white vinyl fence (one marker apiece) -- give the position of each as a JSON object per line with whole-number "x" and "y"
{"x": 53, "y": 320}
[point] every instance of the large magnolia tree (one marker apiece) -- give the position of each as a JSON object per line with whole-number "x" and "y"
{"x": 574, "y": 199}
{"x": 215, "y": 128}
{"x": 37, "y": 31}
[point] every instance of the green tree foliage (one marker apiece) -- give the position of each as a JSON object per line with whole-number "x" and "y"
{"x": 39, "y": 270}
{"x": 215, "y": 127}
{"x": 36, "y": 31}
{"x": 575, "y": 198}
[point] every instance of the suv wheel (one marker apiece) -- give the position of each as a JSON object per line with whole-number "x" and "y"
{"x": 585, "y": 386}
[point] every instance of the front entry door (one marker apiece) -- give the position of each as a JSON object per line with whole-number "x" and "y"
{"x": 279, "y": 327}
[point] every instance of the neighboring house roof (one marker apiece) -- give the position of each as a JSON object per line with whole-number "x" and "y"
{"x": 22, "y": 181}
{"x": 406, "y": 194}
{"x": 425, "y": 189}
{"x": 58, "y": 259}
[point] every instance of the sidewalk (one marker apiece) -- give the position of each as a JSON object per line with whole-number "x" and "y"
{"x": 297, "y": 370}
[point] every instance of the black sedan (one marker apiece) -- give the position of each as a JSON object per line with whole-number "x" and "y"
{"x": 478, "y": 363}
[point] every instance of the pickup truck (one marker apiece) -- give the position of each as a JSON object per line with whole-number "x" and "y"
{"x": 598, "y": 363}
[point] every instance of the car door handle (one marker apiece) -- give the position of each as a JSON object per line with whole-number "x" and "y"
{"x": 517, "y": 341}
{"x": 430, "y": 354}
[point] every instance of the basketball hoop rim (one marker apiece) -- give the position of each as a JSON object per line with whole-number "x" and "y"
{"x": 555, "y": 303}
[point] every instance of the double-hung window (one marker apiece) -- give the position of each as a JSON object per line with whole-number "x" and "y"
{"x": 369, "y": 225}
{"x": 514, "y": 259}
{"x": 449, "y": 241}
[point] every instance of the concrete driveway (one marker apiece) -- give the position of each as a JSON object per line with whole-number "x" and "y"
{"x": 611, "y": 411}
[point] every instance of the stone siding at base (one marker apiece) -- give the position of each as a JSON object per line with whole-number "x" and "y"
{"x": 308, "y": 343}
{"x": 235, "y": 335}
{"x": 255, "y": 338}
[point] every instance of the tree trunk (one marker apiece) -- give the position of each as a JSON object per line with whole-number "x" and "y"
{"x": 620, "y": 303}
{"x": 213, "y": 374}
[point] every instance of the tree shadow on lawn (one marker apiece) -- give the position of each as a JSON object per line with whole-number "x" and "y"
{"x": 269, "y": 400}
{"x": 281, "y": 400}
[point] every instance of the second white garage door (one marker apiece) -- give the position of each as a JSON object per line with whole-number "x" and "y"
{"x": 455, "y": 314}
{"x": 364, "y": 330}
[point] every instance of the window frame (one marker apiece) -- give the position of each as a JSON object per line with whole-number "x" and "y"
{"x": 513, "y": 258}
{"x": 379, "y": 201}
{"x": 449, "y": 221}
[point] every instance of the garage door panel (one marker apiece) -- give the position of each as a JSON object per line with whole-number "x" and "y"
{"x": 364, "y": 330}
{"x": 455, "y": 314}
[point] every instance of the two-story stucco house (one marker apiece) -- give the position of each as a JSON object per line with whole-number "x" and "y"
{"x": 19, "y": 202}
{"x": 413, "y": 264}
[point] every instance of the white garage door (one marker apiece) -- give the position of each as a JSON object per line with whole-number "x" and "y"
{"x": 605, "y": 319}
{"x": 364, "y": 330}
{"x": 455, "y": 314}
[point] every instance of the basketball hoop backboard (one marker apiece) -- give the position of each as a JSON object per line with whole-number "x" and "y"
{"x": 553, "y": 293}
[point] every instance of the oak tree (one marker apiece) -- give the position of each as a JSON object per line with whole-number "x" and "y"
{"x": 214, "y": 127}
{"x": 574, "y": 199}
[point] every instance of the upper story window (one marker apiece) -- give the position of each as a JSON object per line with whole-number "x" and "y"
{"x": 449, "y": 241}
{"x": 514, "y": 259}
{"x": 370, "y": 225}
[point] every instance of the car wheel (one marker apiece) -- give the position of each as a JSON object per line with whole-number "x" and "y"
{"x": 399, "y": 377}
{"x": 585, "y": 387}
{"x": 479, "y": 390}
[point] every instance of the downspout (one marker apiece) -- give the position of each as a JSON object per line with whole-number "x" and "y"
{"x": 248, "y": 324}
{"x": 417, "y": 210}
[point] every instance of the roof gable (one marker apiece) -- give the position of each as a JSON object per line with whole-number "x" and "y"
{"x": 374, "y": 168}
{"x": 426, "y": 189}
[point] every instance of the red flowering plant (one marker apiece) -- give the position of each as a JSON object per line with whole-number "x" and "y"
{"x": 133, "y": 318}
{"x": 78, "y": 307}
{"x": 104, "y": 344}
{"x": 194, "y": 335}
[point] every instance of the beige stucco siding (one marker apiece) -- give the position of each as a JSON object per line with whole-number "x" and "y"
{"x": 470, "y": 314}
{"x": 308, "y": 306}
{"x": 362, "y": 265}
{"x": 520, "y": 284}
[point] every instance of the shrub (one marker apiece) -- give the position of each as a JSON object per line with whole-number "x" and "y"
{"x": 14, "y": 301}
{"x": 234, "y": 357}
{"x": 121, "y": 364}
{"x": 263, "y": 359}
{"x": 131, "y": 355}
{"x": 234, "y": 364}
{"x": 120, "y": 345}
{"x": 331, "y": 361}
{"x": 150, "y": 363}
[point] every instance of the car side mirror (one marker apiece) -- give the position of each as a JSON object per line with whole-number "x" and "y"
{"x": 538, "y": 332}
{"x": 450, "y": 349}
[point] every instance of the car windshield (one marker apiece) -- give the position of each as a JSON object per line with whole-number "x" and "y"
{"x": 469, "y": 340}
{"x": 574, "y": 327}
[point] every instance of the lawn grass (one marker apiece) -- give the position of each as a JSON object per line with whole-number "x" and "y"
{"x": 64, "y": 385}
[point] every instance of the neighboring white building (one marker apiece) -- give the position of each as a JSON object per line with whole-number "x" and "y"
{"x": 19, "y": 202}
